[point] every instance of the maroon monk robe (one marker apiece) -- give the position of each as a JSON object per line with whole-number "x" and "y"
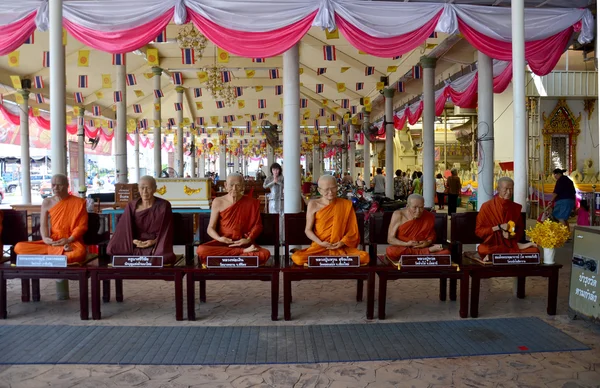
{"x": 148, "y": 224}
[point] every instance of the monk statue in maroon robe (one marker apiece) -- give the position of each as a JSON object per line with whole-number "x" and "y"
{"x": 146, "y": 226}
{"x": 412, "y": 231}
{"x": 500, "y": 225}
{"x": 234, "y": 224}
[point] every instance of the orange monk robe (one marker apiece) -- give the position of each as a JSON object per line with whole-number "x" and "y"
{"x": 335, "y": 222}
{"x": 68, "y": 218}
{"x": 240, "y": 220}
{"x": 419, "y": 229}
{"x": 495, "y": 212}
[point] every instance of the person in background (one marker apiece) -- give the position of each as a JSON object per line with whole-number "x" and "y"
{"x": 417, "y": 183}
{"x": 440, "y": 190}
{"x": 563, "y": 197}
{"x": 379, "y": 183}
{"x": 400, "y": 189}
{"x": 583, "y": 213}
{"x": 360, "y": 183}
{"x": 454, "y": 186}
{"x": 275, "y": 184}
{"x": 347, "y": 180}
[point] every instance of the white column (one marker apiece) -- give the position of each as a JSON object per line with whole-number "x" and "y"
{"x": 352, "y": 152}
{"x": 222, "y": 162}
{"x": 58, "y": 140}
{"x": 270, "y": 158}
{"x": 157, "y": 71}
{"x": 389, "y": 142}
{"x": 136, "y": 160}
{"x": 179, "y": 150}
{"x": 81, "y": 152}
{"x": 121, "y": 132}
{"x": 366, "y": 150}
{"x": 291, "y": 126}
{"x": 485, "y": 129}
{"x": 519, "y": 116}
{"x": 202, "y": 164}
{"x": 344, "y": 151}
{"x": 428, "y": 65}
{"x": 25, "y": 159}
{"x": 193, "y": 172}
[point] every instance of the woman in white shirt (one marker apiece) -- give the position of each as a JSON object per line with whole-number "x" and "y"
{"x": 440, "y": 190}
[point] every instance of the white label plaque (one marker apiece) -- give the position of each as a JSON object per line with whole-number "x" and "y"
{"x": 138, "y": 261}
{"x": 232, "y": 262}
{"x": 41, "y": 261}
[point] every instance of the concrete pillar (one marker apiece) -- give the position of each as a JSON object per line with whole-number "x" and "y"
{"x": 366, "y": 149}
{"x": 485, "y": 129}
{"x": 193, "y": 172}
{"x": 58, "y": 134}
{"x": 428, "y": 65}
{"x": 25, "y": 159}
{"x": 352, "y": 152}
{"x": 389, "y": 142}
{"x": 291, "y": 126}
{"x": 136, "y": 159}
{"x": 157, "y": 71}
{"x": 179, "y": 147}
{"x": 519, "y": 115}
{"x": 81, "y": 152}
{"x": 222, "y": 162}
{"x": 121, "y": 132}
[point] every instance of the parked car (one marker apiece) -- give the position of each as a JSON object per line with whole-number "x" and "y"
{"x": 46, "y": 190}
{"x": 36, "y": 181}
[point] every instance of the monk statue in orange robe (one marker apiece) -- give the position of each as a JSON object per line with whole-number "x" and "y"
{"x": 69, "y": 222}
{"x": 331, "y": 225}
{"x": 234, "y": 224}
{"x": 412, "y": 231}
{"x": 146, "y": 226}
{"x": 500, "y": 225}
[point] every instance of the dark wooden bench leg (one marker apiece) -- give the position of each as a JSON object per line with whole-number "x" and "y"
{"x": 3, "y": 310}
{"x": 179, "y": 296}
{"x": 475, "y": 296}
{"x": 119, "y": 290}
{"x": 35, "y": 290}
{"x": 371, "y": 296}
{"x": 453, "y": 289}
{"x": 202, "y": 291}
{"x": 464, "y": 296}
{"x": 25, "y": 290}
{"x": 84, "y": 308}
{"x": 191, "y": 297}
{"x": 359, "y": 290}
{"x": 443, "y": 287}
{"x": 106, "y": 291}
{"x": 382, "y": 296}
{"x": 96, "y": 314}
{"x": 287, "y": 297}
{"x": 552, "y": 293}
{"x": 275, "y": 296}
{"x": 521, "y": 287}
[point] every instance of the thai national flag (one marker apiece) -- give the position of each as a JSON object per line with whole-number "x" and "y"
{"x": 171, "y": 122}
{"x": 200, "y": 120}
{"x": 80, "y": 121}
{"x": 353, "y": 109}
{"x": 118, "y": 96}
{"x": 111, "y": 124}
{"x": 91, "y": 123}
{"x": 131, "y": 80}
{"x": 178, "y": 107}
{"x": 280, "y": 117}
{"x": 258, "y": 60}
{"x": 158, "y": 93}
{"x": 400, "y": 86}
{"x": 226, "y": 76}
{"x": 273, "y": 73}
{"x": 321, "y": 70}
{"x": 231, "y": 117}
{"x": 253, "y": 117}
{"x": 369, "y": 70}
{"x": 238, "y": 91}
{"x": 225, "y": 119}
{"x": 46, "y": 59}
{"x": 30, "y": 39}
{"x": 137, "y": 108}
{"x": 303, "y": 103}
{"x": 261, "y": 116}
{"x": 360, "y": 115}
{"x": 317, "y": 124}
{"x": 262, "y": 104}
{"x": 38, "y": 81}
{"x": 83, "y": 81}
{"x": 187, "y": 56}
{"x": 39, "y": 98}
{"x": 79, "y": 98}
{"x": 417, "y": 72}
{"x": 345, "y": 103}
{"x": 249, "y": 125}
{"x": 433, "y": 35}
{"x": 162, "y": 37}
{"x": 96, "y": 110}
{"x": 197, "y": 92}
{"x": 360, "y": 85}
{"x": 220, "y": 104}
{"x": 118, "y": 59}
{"x": 329, "y": 53}
{"x": 322, "y": 112}
{"x": 320, "y": 88}
{"x": 278, "y": 90}
{"x": 177, "y": 78}
{"x": 333, "y": 117}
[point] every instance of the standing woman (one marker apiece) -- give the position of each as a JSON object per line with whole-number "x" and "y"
{"x": 454, "y": 186}
{"x": 275, "y": 183}
{"x": 440, "y": 190}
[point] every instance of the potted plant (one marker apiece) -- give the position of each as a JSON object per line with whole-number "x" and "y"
{"x": 548, "y": 235}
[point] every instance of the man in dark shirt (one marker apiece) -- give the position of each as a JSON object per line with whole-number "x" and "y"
{"x": 563, "y": 197}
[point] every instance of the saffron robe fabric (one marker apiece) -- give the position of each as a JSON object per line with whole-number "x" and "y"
{"x": 335, "y": 222}
{"x": 155, "y": 223}
{"x": 419, "y": 229}
{"x": 240, "y": 220}
{"x": 68, "y": 218}
{"x": 495, "y": 212}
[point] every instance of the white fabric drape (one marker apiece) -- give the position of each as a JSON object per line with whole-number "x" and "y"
{"x": 13, "y": 11}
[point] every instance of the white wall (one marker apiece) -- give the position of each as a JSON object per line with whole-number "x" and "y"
{"x": 503, "y": 125}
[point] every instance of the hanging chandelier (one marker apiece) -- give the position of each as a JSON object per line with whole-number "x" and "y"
{"x": 218, "y": 89}
{"x": 189, "y": 37}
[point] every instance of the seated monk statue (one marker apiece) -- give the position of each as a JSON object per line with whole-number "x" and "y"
{"x": 146, "y": 226}
{"x": 69, "y": 222}
{"x": 331, "y": 225}
{"x": 234, "y": 224}
{"x": 495, "y": 221}
{"x": 412, "y": 231}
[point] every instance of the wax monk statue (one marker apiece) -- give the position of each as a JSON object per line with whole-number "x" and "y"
{"x": 69, "y": 222}
{"x": 500, "y": 225}
{"x": 146, "y": 226}
{"x": 331, "y": 225}
{"x": 234, "y": 224}
{"x": 412, "y": 231}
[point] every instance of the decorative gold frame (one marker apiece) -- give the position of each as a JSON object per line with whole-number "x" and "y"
{"x": 561, "y": 122}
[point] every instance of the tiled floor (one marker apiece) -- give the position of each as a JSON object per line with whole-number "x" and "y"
{"x": 315, "y": 302}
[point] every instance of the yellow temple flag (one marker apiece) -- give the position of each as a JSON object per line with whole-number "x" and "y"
{"x": 186, "y": 121}
{"x": 275, "y": 114}
{"x": 19, "y": 98}
{"x": 76, "y": 110}
{"x": 148, "y": 75}
{"x": 13, "y": 59}
{"x": 69, "y": 119}
{"x": 344, "y": 69}
{"x": 222, "y": 55}
{"x": 335, "y": 34}
{"x": 325, "y": 102}
{"x": 258, "y": 88}
{"x": 250, "y": 73}
{"x": 36, "y": 112}
{"x": 241, "y": 104}
{"x": 214, "y": 120}
{"x": 354, "y": 120}
{"x": 366, "y": 101}
{"x": 303, "y": 122}
{"x": 341, "y": 87}
{"x": 306, "y": 115}
{"x": 239, "y": 117}
{"x": 106, "y": 81}
{"x": 64, "y": 36}
{"x": 99, "y": 95}
{"x": 328, "y": 122}
{"x": 83, "y": 58}
{"x": 152, "y": 57}
{"x": 202, "y": 76}
{"x": 156, "y": 123}
{"x": 362, "y": 52}
{"x": 199, "y": 105}
{"x": 301, "y": 70}
{"x": 368, "y": 108}
{"x": 16, "y": 81}
{"x": 138, "y": 93}
{"x": 157, "y": 107}
{"x": 380, "y": 85}
{"x": 392, "y": 69}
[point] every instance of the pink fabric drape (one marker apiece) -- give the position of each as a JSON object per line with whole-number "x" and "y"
{"x": 253, "y": 44}
{"x": 542, "y": 55}
{"x": 502, "y": 81}
{"x": 144, "y": 141}
{"x": 386, "y": 47}
{"x": 119, "y": 41}
{"x": 13, "y": 35}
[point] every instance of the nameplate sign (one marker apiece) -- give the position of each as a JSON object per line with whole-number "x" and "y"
{"x": 333, "y": 261}
{"x": 41, "y": 261}
{"x": 232, "y": 262}
{"x": 425, "y": 261}
{"x": 515, "y": 258}
{"x": 137, "y": 261}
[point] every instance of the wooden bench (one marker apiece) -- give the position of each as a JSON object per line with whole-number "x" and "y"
{"x": 387, "y": 271}
{"x": 294, "y": 235}
{"x": 183, "y": 234}
{"x": 268, "y": 237}
{"x": 463, "y": 232}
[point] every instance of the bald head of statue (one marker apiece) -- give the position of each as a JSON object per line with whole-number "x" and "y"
{"x": 60, "y": 185}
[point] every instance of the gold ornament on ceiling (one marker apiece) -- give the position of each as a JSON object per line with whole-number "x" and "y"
{"x": 189, "y": 37}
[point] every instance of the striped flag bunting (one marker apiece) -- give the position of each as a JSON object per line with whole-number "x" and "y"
{"x": 96, "y": 110}
{"x": 158, "y": 93}
{"x": 38, "y": 82}
{"x": 400, "y": 86}
{"x": 321, "y": 70}
{"x": 232, "y": 118}
{"x": 30, "y": 39}
{"x": 261, "y": 116}
{"x": 320, "y": 88}
{"x": 200, "y": 120}
{"x": 303, "y": 103}
{"x": 360, "y": 85}
{"x": 83, "y": 81}
{"x": 280, "y": 117}
{"x": 369, "y": 70}
{"x": 353, "y": 109}
{"x": 322, "y": 112}
{"x": 238, "y": 91}
{"x": 417, "y": 72}
{"x": 118, "y": 96}
{"x": 278, "y": 90}
{"x": 433, "y": 35}
{"x": 46, "y": 59}
{"x": 178, "y": 107}
{"x": 80, "y": 121}
{"x": 345, "y": 103}
{"x": 78, "y": 97}
{"x": 171, "y": 122}
{"x": 39, "y": 98}
{"x": 329, "y": 53}
{"x": 333, "y": 117}
{"x": 162, "y": 37}
{"x": 130, "y": 80}
{"x": 220, "y": 104}
{"x": 360, "y": 115}
{"x": 317, "y": 124}
{"x": 111, "y": 124}
{"x": 253, "y": 117}
{"x": 177, "y": 78}
{"x": 273, "y": 73}
{"x": 118, "y": 59}
{"x": 143, "y": 124}
{"x": 248, "y": 126}
{"x": 226, "y": 119}
{"x": 226, "y": 76}
{"x": 197, "y": 92}
{"x": 187, "y": 56}
{"x": 258, "y": 60}
{"x": 137, "y": 108}
{"x": 262, "y": 104}
{"x": 91, "y": 123}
